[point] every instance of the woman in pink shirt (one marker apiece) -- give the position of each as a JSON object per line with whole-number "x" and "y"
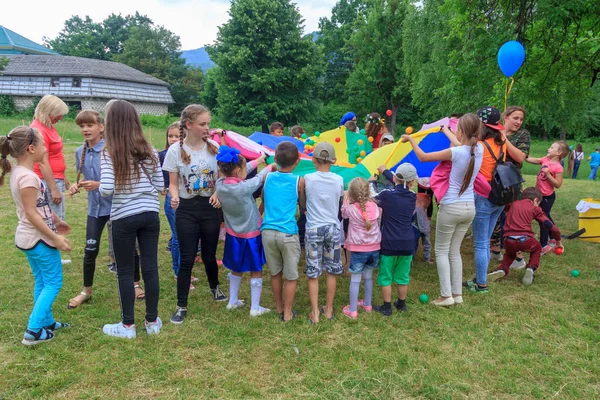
{"x": 52, "y": 168}
{"x": 363, "y": 241}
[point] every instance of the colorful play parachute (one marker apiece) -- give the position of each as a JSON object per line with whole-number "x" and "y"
{"x": 354, "y": 152}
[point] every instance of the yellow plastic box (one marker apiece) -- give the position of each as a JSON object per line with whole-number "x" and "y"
{"x": 590, "y": 219}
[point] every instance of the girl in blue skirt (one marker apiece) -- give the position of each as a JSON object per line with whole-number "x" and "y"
{"x": 243, "y": 243}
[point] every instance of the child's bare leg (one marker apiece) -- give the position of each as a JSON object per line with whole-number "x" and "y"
{"x": 386, "y": 293}
{"x": 276, "y": 287}
{"x": 331, "y": 284}
{"x": 290, "y": 293}
{"x": 313, "y": 295}
{"x": 402, "y": 291}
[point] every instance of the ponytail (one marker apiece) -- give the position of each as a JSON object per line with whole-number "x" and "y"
{"x": 470, "y": 168}
{"x": 5, "y": 165}
{"x": 185, "y": 157}
{"x": 86, "y": 146}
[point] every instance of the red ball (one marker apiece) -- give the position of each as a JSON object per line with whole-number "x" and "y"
{"x": 558, "y": 250}
{"x": 389, "y": 113}
{"x": 337, "y": 139}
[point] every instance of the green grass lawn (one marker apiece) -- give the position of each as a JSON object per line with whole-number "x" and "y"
{"x": 514, "y": 342}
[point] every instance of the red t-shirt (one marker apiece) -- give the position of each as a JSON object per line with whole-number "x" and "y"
{"x": 520, "y": 215}
{"x": 542, "y": 183}
{"x": 54, "y": 147}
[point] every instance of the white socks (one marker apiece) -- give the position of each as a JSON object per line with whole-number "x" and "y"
{"x": 234, "y": 289}
{"x": 255, "y": 290}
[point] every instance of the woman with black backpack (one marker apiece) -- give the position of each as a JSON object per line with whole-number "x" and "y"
{"x": 487, "y": 210}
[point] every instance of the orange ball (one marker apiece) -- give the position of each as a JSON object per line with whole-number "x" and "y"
{"x": 363, "y": 153}
{"x": 360, "y": 142}
{"x": 370, "y": 139}
{"x": 359, "y": 159}
{"x": 408, "y": 130}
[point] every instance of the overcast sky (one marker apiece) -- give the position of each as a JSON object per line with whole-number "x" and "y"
{"x": 194, "y": 21}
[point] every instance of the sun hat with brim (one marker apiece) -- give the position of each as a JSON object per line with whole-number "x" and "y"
{"x": 406, "y": 172}
{"x": 490, "y": 116}
{"x": 325, "y": 152}
{"x": 388, "y": 136}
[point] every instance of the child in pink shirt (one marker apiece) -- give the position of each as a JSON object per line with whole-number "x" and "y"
{"x": 549, "y": 178}
{"x": 364, "y": 242}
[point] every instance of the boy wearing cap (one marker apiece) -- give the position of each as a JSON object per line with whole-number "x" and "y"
{"x": 324, "y": 191}
{"x": 397, "y": 236}
{"x": 594, "y": 160}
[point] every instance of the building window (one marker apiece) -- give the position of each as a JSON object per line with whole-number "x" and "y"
{"x": 76, "y": 82}
{"x": 54, "y": 82}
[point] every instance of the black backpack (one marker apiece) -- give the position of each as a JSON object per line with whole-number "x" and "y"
{"x": 506, "y": 180}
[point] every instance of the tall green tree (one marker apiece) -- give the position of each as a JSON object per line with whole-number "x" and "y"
{"x": 334, "y": 34}
{"x": 99, "y": 40}
{"x": 267, "y": 70}
{"x": 453, "y": 47}
{"x": 378, "y": 81}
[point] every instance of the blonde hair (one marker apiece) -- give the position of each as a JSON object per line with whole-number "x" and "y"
{"x": 563, "y": 147}
{"x": 16, "y": 144}
{"x": 358, "y": 192}
{"x": 189, "y": 114}
{"x": 174, "y": 125}
{"x": 48, "y": 107}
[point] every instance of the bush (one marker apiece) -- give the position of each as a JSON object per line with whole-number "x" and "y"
{"x": 157, "y": 121}
{"x": 7, "y": 106}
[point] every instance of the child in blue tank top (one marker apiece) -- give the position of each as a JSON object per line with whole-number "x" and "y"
{"x": 281, "y": 193}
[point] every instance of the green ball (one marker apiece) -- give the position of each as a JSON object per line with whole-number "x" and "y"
{"x": 423, "y": 298}
{"x": 348, "y": 151}
{"x": 303, "y": 136}
{"x": 362, "y": 131}
{"x": 317, "y": 133}
{"x": 575, "y": 273}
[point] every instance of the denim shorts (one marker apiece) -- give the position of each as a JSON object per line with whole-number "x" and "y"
{"x": 364, "y": 259}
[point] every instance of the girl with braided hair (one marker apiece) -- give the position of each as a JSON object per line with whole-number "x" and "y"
{"x": 193, "y": 171}
{"x": 457, "y": 206}
{"x": 363, "y": 241}
{"x": 39, "y": 232}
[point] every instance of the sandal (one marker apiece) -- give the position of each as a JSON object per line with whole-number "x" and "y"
{"x": 139, "y": 292}
{"x": 78, "y": 300}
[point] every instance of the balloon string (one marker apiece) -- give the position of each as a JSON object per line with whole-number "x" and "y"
{"x": 507, "y": 90}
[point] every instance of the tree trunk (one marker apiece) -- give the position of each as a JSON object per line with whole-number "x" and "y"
{"x": 265, "y": 127}
{"x": 563, "y": 134}
{"x": 545, "y": 135}
{"x": 391, "y": 121}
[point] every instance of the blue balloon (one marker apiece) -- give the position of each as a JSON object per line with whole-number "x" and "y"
{"x": 510, "y": 57}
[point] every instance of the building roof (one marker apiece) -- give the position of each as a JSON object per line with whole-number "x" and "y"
{"x": 13, "y": 43}
{"x": 57, "y": 66}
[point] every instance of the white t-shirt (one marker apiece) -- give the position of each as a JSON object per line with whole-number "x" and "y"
{"x": 461, "y": 156}
{"x": 323, "y": 193}
{"x": 199, "y": 176}
{"x": 27, "y": 235}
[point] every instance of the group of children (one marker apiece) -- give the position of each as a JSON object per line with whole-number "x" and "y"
{"x": 208, "y": 184}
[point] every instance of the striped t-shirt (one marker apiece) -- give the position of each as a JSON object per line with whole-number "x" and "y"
{"x": 141, "y": 197}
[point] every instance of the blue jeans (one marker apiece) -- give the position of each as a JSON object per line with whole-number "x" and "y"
{"x": 47, "y": 271}
{"x": 175, "y": 255}
{"x": 360, "y": 260}
{"x": 576, "y": 165}
{"x": 486, "y": 215}
{"x": 592, "y": 176}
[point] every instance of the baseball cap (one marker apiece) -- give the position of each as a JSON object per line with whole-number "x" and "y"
{"x": 388, "y": 136}
{"x": 324, "y": 151}
{"x": 490, "y": 116}
{"x": 406, "y": 172}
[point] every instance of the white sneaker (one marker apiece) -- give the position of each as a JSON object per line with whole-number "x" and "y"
{"x": 518, "y": 264}
{"x": 528, "y": 277}
{"x": 494, "y": 276}
{"x": 240, "y": 303}
{"x": 153, "y": 328}
{"x": 447, "y": 302}
{"x": 119, "y": 330}
{"x": 64, "y": 262}
{"x": 496, "y": 256}
{"x": 260, "y": 311}
{"x": 458, "y": 300}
